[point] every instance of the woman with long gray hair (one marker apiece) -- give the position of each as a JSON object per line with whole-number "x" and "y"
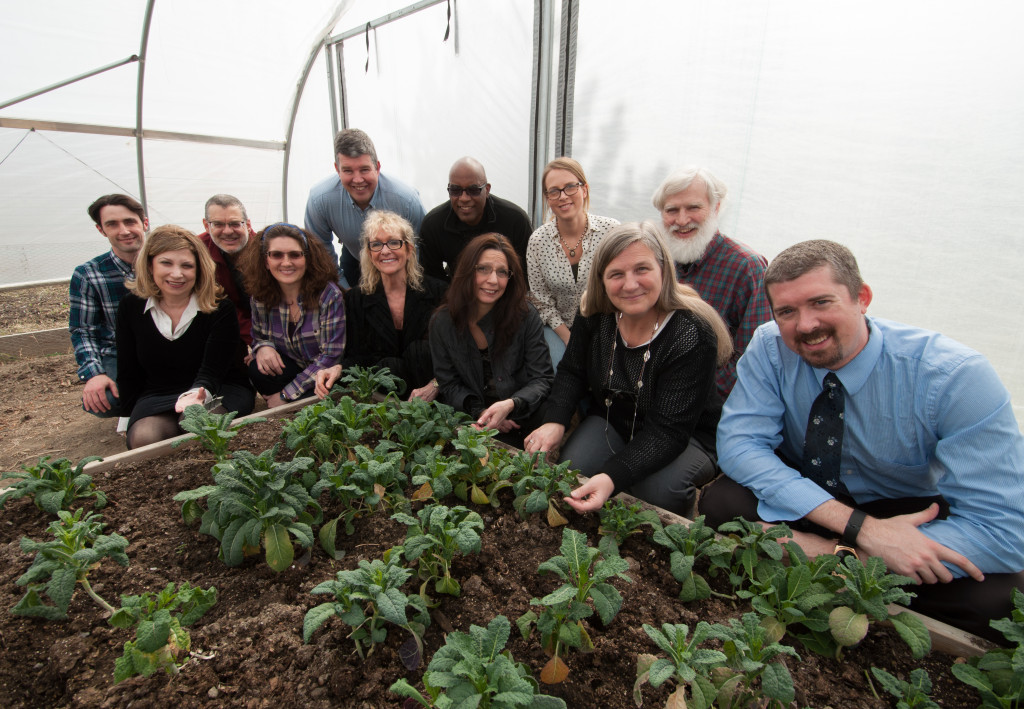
{"x": 643, "y": 351}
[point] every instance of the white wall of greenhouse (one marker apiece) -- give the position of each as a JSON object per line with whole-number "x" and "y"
{"x": 894, "y": 128}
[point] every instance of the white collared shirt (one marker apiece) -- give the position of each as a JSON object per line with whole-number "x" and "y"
{"x": 163, "y": 321}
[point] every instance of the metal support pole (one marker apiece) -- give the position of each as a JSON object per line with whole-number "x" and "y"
{"x": 329, "y": 58}
{"x": 59, "y": 84}
{"x": 138, "y": 104}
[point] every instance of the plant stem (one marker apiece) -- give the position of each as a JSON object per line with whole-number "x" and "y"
{"x": 96, "y": 597}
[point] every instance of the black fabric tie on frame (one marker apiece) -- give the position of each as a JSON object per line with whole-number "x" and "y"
{"x": 448, "y": 27}
{"x": 823, "y": 444}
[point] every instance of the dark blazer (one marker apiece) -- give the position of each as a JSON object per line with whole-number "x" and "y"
{"x": 374, "y": 341}
{"x": 523, "y": 370}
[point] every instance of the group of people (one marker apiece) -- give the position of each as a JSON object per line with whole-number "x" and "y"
{"x": 680, "y": 353}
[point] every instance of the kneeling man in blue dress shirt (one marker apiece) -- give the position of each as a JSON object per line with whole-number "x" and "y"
{"x": 872, "y": 437}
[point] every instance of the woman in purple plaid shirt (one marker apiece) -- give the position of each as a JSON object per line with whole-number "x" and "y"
{"x": 298, "y": 313}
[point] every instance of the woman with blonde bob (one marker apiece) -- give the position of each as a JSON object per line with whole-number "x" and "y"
{"x": 643, "y": 350}
{"x": 388, "y": 314}
{"x": 177, "y": 338}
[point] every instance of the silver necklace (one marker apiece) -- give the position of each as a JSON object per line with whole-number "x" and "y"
{"x": 639, "y": 380}
{"x": 572, "y": 250}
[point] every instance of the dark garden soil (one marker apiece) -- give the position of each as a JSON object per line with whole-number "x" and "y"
{"x": 248, "y": 649}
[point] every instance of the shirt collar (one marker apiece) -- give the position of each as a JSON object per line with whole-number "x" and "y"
{"x": 128, "y": 269}
{"x": 856, "y": 372}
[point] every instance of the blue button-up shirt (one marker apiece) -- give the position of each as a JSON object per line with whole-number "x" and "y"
{"x": 330, "y": 210}
{"x": 924, "y": 416}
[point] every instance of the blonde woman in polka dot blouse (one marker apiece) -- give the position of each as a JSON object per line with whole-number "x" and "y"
{"x": 560, "y": 252}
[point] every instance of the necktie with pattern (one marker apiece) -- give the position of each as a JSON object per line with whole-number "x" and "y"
{"x": 823, "y": 444}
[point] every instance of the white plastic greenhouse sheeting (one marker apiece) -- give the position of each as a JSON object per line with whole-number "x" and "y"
{"x": 892, "y": 127}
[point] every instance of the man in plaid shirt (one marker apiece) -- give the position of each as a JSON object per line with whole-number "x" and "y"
{"x": 95, "y": 294}
{"x": 726, "y": 274}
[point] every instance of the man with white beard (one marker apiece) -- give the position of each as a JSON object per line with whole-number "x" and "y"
{"x": 726, "y": 274}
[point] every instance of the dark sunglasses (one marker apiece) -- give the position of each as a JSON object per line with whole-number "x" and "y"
{"x": 472, "y": 190}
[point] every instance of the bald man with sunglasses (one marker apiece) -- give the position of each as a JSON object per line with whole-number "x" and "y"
{"x": 470, "y": 211}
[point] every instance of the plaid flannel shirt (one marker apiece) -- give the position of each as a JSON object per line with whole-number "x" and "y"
{"x": 318, "y": 341}
{"x": 94, "y": 295}
{"x": 730, "y": 277}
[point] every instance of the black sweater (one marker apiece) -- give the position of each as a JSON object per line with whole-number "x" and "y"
{"x": 678, "y": 398}
{"x": 148, "y": 363}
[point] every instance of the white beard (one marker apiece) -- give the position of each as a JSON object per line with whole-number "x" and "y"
{"x": 693, "y": 247}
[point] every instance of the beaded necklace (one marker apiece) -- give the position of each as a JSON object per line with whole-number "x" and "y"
{"x": 639, "y": 381}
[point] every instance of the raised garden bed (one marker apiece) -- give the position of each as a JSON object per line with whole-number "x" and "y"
{"x": 248, "y": 649}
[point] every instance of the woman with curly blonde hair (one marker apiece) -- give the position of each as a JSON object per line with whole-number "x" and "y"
{"x": 177, "y": 338}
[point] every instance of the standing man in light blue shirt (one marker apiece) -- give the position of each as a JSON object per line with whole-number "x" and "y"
{"x": 931, "y": 471}
{"x": 338, "y": 205}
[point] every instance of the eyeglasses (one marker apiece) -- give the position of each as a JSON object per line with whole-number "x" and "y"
{"x": 486, "y": 271}
{"x": 472, "y": 190}
{"x": 570, "y": 189}
{"x": 392, "y": 244}
{"x": 292, "y": 255}
{"x": 233, "y": 225}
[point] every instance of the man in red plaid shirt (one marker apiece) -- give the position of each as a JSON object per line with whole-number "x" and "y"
{"x": 726, "y": 273}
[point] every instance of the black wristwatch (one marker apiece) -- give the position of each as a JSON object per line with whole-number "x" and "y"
{"x": 849, "y": 538}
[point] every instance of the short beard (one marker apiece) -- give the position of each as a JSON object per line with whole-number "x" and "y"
{"x": 691, "y": 249}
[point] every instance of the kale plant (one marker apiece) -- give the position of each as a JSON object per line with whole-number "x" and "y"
{"x": 867, "y": 591}
{"x": 539, "y": 486}
{"x": 752, "y": 675}
{"x": 54, "y": 486}
{"x": 585, "y": 572}
{"x": 364, "y": 382}
{"x": 159, "y": 619}
{"x": 743, "y": 546}
{"x": 214, "y": 431}
{"x": 998, "y": 675}
{"x": 688, "y": 665}
{"x": 255, "y": 501}
{"x": 368, "y": 598}
{"x": 474, "y": 670}
{"x": 621, "y": 521}
{"x": 433, "y": 472}
{"x": 479, "y": 481}
{"x": 76, "y": 549}
{"x": 434, "y": 536}
{"x": 909, "y": 695}
{"x": 373, "y": 479}
{"x": 687, "y": 544}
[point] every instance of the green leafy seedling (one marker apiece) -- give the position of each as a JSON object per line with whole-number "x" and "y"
{"x": 909, "y": 695}
{"x": 433, "y": 472}
{"x": 867, "y": 591}
{"x": 998, "y": 675}
{"x": 255, "y": 501}
{"x": 752, "y": 675}
{"x": 368, "y": 598}
{"x": 214, "y": 431}
{"x": 54, "y": 485}
{"x": 479, "y": 480}
{"x": 686, "y": 544}
{"x": 364, "y": 382}
{"x": 743, "y": 546}
{"x": 160, "y": 620}
{"x": 474, "y": 670}
{"x": 434, "y": 536}
{"x": 77, "y": 547}
{"x": 687, "y": 664}
{"x": 585, "y": 572}
{"x": 539, "y": 486}
{"x": 621, "y": 521}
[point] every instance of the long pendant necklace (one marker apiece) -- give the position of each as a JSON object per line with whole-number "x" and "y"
{"x": 639, "y": 380}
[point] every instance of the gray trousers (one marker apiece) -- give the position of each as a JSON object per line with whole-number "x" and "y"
{"x": 673, "y": 487}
